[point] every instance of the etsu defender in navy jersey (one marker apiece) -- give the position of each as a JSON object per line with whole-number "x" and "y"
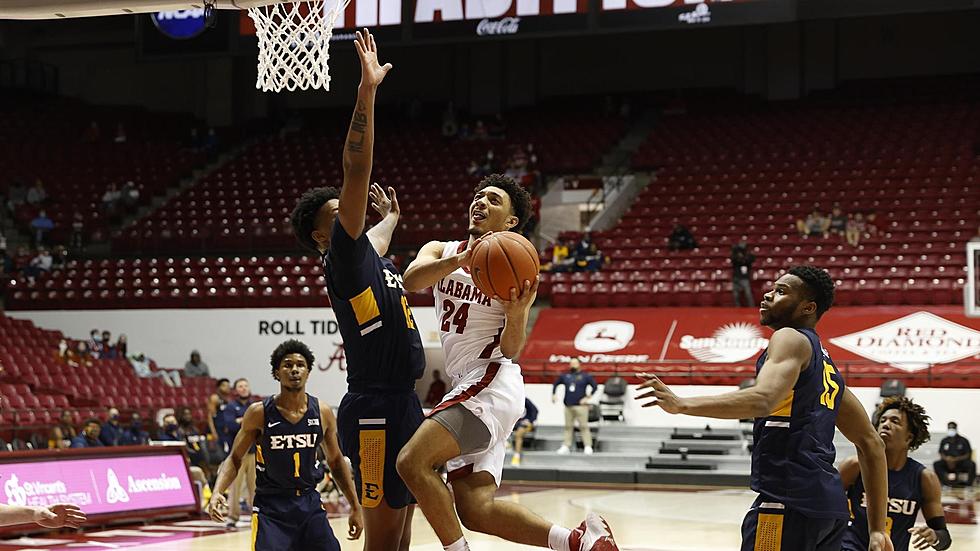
{"x": 288, "y": 514}
{"x": 286, "y": 456}
{"x": 801, "y": 504}
{"x": 904, "y": 502}
{"x": 380, "y": 411}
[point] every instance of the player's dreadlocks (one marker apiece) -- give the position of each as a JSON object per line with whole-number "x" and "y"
{"x": 918, "y": 421}
{"x": 820, "y": 285}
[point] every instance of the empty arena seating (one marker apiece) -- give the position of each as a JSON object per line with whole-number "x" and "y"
{"x": 245, "y": 206}
{"x": 35, "y": 386}
{"x": 47, "y": 139}
{"x": 181, "y": 282}
{"x": 749, "y": 174}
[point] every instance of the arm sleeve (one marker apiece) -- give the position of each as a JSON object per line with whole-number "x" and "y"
{"x": 592, "y": 384}
{"x": 938, "y": 525}
{"x": 559, "y": 381}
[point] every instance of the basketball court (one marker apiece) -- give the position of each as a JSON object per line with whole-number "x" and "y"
{"x": 668, "y": 519}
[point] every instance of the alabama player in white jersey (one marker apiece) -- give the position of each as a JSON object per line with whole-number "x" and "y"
{"x": 466, "y": 432}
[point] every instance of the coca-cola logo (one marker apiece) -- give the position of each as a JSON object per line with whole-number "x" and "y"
{"x": 507, "y": 25}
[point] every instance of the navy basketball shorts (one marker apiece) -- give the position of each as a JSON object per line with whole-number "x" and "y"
{"x": 287, "y": 522}
{"x": 372, "y": 429}
{"x": 769, "y": 526}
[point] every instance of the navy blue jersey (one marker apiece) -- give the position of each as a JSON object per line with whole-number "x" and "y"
{"x": 793, "y": 456}
{"x": 286, "y": 458}
{"x": 219, "y": 421}
{"x": 904, "y": 502}
{"x": 230, "y": 414}
{"x": 381, "y": 341}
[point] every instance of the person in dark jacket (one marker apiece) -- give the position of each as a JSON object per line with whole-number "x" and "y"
{"x": 579, "y": 388}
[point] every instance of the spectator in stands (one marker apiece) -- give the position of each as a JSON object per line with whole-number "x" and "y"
{"x": 436, "y": 390}
{"x": 41, "y": 225}
{"x": 681, "y": 239}
{"x": 92, "y": 134}
{"x": 497, "y": 128}
{"x": 40, "y": 264}
{"x": 488, "y": 163}
{"x": 37, "y": 195}
{"x": 955, "y": 466}
{"x": 180, "y": 427}
{"x": 129, "y": 197}
{"x": 66, "y": 355}
{"x": 216, "y": 406}
{"x": 94, "y": 343}
{"x": 815, "y": 224}
{"x": 90, "y": 435}
{"x": 195, "y": 367}
{"x": 524, "y": 425}
{"x": 588, "y": 257}
{"x": 6, "y": 263}
{"x": 120, "y": 134}
{"x": 16, "y": 196}
{"x": 480, "y": 131}
{"x": 742, "y": 261}
{"x": 838, "y": 221}
{"x": 560, "y": 257}
{"x": 579, "y": 388}
{"x": 232, "y": 420}
{"x": 122, "y": 346}
{"x": 76, "y": 239}
{"x": 110, "y": 199}
{"x": 870, "y": 225}
{"x": 141, "y": 365}
{"x": 112, "y": 431}
{"x": 855, "y": 229}
{"x": 108, "y": 349}
{"x": 59, "y": 257}
{"x": 197, "y": 443}
{"x": 57, "y": 439}
{"x": 134, "y": 435}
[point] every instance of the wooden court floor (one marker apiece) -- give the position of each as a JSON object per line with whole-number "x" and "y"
{"x": 642, "y": 520}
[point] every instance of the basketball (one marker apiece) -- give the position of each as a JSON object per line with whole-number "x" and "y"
{"x": 503, "y": 261}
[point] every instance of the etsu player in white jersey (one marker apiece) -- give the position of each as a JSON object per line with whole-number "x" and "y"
{"x": 466, "y": 432}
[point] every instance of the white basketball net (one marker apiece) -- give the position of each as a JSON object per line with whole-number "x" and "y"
{"x": 294, "y": 43}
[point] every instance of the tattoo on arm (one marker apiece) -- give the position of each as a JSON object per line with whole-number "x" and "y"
{"x": 358, "y": 126}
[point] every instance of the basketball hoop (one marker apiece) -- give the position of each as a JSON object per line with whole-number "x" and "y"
{"x": 294, "y": 43}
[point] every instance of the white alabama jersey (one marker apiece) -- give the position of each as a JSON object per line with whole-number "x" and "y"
{"x": 470, "y": 323}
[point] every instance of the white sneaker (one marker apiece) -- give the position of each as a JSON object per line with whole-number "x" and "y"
{"x": 515, "y": 460}
{"x": 563, "y": 450}
{"x": 588, "y": 450}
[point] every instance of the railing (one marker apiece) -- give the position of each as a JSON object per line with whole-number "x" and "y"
{"x": 964, "y": 374}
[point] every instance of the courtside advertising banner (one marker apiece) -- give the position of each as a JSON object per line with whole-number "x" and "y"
{"x": 907, "y": 338}
{"x": 100, "y": 485}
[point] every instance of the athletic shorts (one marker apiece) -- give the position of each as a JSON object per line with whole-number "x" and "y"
{"x": 372, "y": 428}
{"x": 495, "y": 395}
{"x": 770, "y": 526}
{"x": 284, "y": 522}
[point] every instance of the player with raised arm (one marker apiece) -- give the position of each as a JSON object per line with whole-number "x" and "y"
{"x": 288, "y": 429}
{"x": 467, "y": 431}
{"x": 380, "y": 411}
{"x": 798, "y": 398}
{"x": 904, "y": 426}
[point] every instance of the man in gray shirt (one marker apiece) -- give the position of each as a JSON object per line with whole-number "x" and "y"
{"x": 195, "y": 367}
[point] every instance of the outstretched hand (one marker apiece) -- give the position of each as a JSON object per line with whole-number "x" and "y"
{"x": 384, "y": 203}
{"x": 59, "y": 516}
{"x": 660, "y": 394}
{"x": 372, "y": 72}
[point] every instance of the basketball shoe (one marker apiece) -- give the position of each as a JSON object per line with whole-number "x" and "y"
{"x": 592, "y": 535}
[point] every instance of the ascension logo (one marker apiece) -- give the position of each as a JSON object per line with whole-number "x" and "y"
{"x": 114, "y": 492}
{"x": 734, "y": 342}
{"x": 16, "y": 495}
{"x": 913, "y": 342}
